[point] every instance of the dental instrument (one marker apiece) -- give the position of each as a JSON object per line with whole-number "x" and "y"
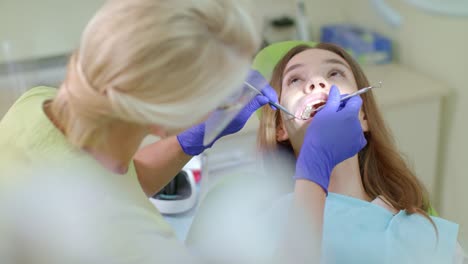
{"x": 310, "y": 109}
{"x": 278, "y": 106}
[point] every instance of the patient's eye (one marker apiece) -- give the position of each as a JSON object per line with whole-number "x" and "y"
{"x": 336, "y": 73}
{"x": 293, "y": 80}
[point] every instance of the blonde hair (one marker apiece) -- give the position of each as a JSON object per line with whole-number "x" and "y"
{"x": 155, "y": 62}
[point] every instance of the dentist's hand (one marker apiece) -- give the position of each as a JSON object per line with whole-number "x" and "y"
{"x": 191, "y": 140}
{"x": 269, "y": 95}
{"x": 334, "y": 135}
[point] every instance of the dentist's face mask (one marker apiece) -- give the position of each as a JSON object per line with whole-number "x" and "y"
{"x": 226, "y": 112}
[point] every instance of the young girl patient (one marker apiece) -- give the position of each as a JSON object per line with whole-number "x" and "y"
{"x": 376, "y": 210}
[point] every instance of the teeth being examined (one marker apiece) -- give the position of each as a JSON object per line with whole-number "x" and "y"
{"x": 310, "y": 108}
{"x": 307, "y": 111}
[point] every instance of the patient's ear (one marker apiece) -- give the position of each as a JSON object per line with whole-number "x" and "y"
{"x": 281, "y": 133}
{"x": 363, "y": 119}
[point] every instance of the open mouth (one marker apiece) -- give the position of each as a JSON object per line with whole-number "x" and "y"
{"x": 309, "y": 110}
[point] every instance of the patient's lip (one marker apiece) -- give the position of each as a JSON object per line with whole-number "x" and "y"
{"x": 312, "y": 99}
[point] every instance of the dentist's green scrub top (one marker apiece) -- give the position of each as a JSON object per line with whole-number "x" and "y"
{"x": 67, "y": 206}
{"x": 360, "y": 232}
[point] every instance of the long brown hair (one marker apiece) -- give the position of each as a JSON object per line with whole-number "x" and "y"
{"x": 383, "y": 170}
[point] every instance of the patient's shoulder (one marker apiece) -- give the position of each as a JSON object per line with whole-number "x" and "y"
{"x": 382, "y": 202}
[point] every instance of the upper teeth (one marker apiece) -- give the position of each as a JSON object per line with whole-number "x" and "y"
{"x": 307, "y": 112}
{"x": 309, "y": 109}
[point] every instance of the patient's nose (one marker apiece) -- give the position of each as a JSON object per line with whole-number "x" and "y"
{"x": 321, "y": 84}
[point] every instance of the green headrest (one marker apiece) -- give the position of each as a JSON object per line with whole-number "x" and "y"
{"x": 267, "y": 58}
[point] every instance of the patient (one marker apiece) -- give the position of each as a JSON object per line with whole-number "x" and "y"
{"x": 376, "y": 209}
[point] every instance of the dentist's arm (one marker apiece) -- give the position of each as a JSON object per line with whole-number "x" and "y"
{"x": 158, "y": 163}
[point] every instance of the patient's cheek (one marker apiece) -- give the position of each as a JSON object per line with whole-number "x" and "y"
{"x": 347, "y": 88}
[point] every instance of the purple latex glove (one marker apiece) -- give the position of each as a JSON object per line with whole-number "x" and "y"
{"x": 334, "y": 135}
{"x": 191, "y": 140}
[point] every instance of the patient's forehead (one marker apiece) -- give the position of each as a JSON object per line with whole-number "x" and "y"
{"x": 314, "y": 58}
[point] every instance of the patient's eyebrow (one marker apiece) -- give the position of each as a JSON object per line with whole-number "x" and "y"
{"x": 336, "y": 61}
{"x": 292, "y": 67}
